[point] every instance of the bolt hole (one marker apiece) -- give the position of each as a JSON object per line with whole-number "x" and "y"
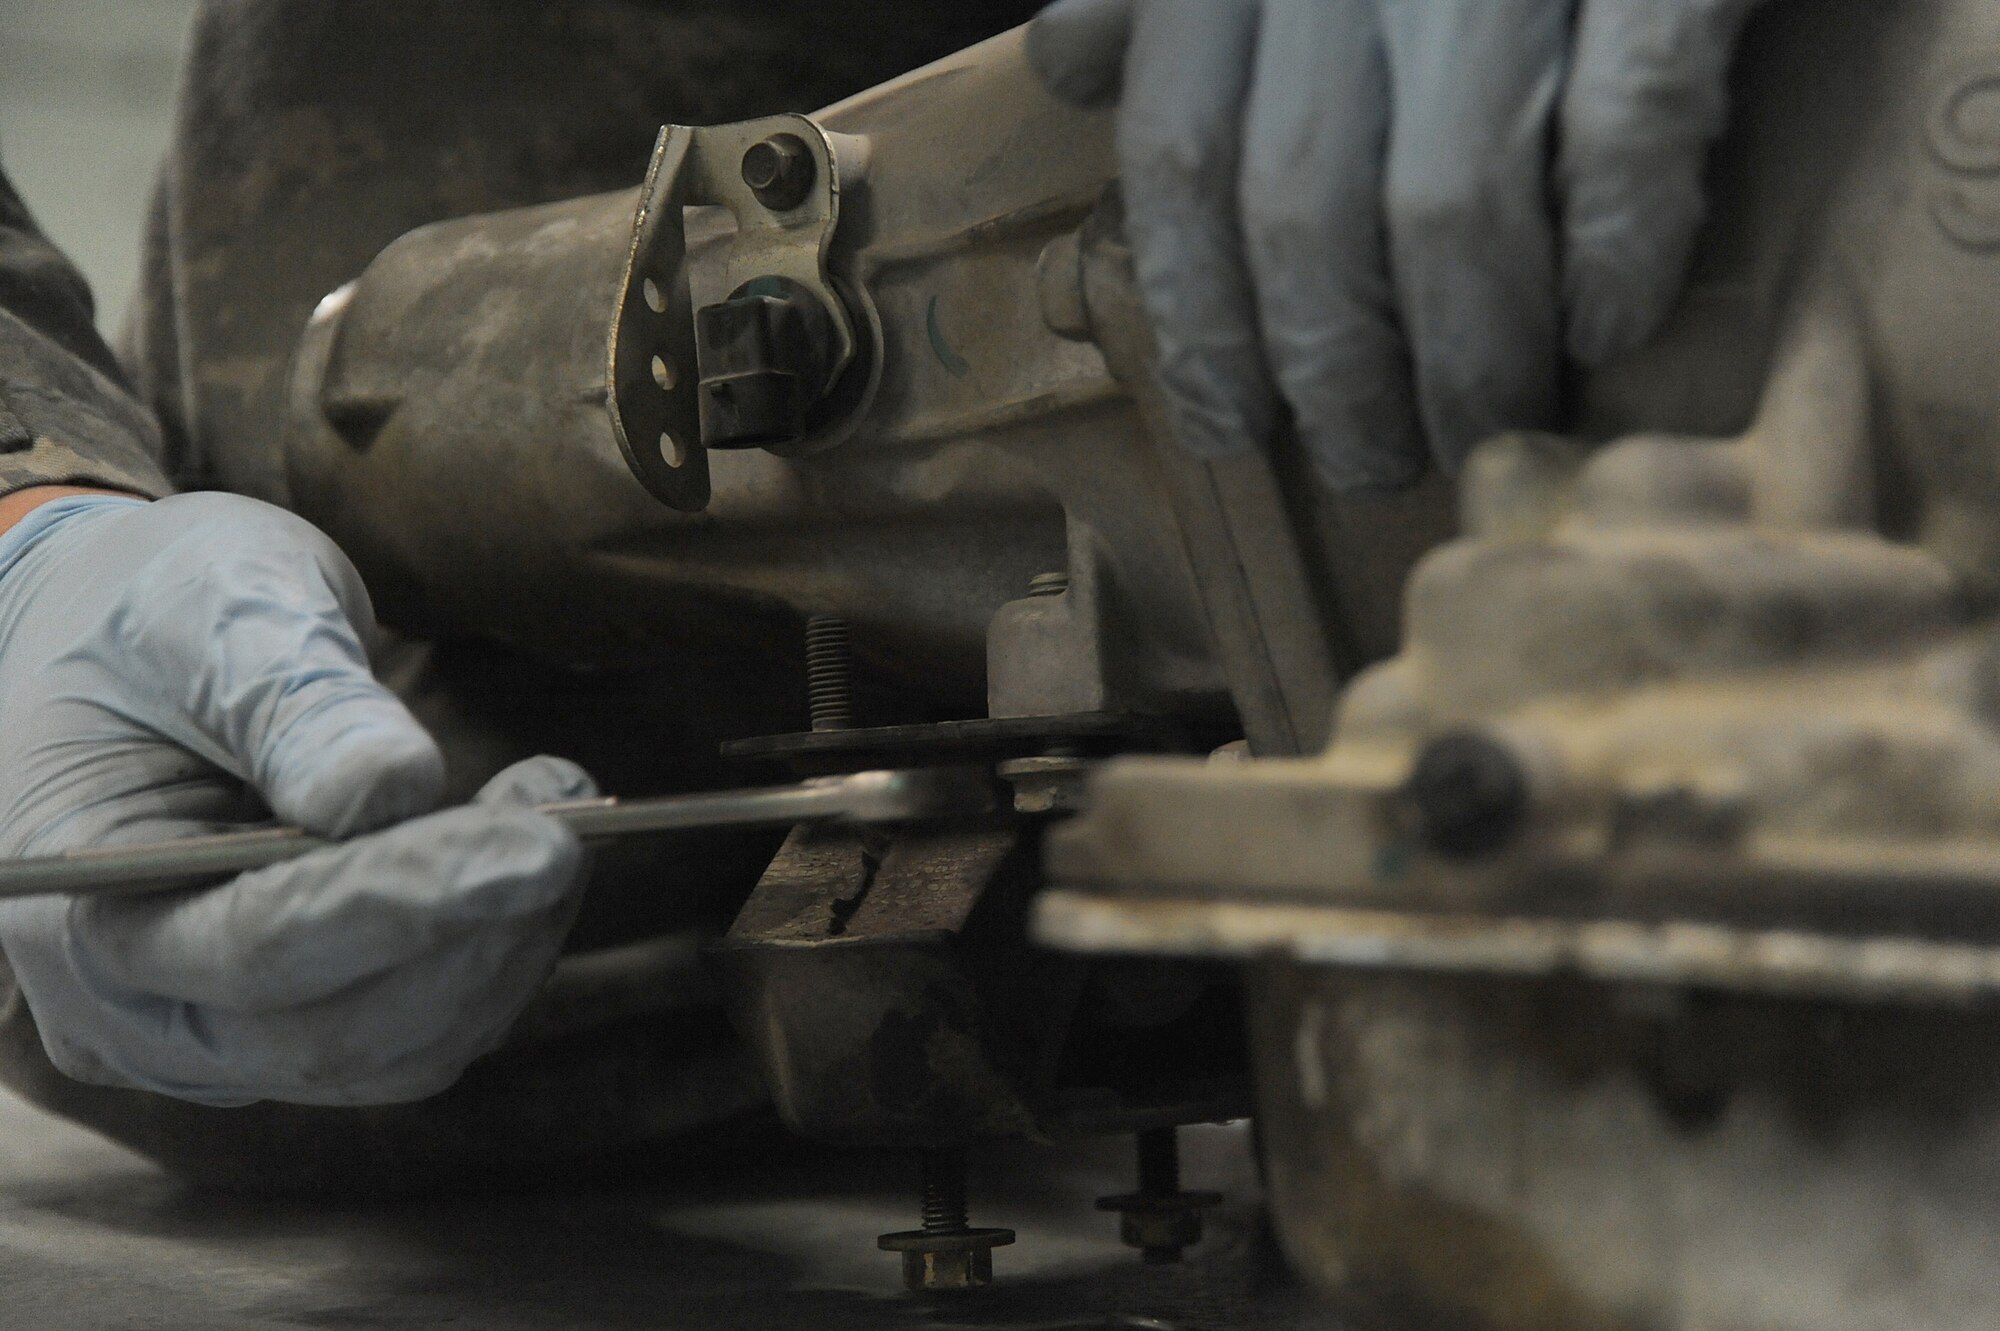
{"x": 672, "y": 450}
{"x": 664, "y": 374}
{"x": 656, "y": 300}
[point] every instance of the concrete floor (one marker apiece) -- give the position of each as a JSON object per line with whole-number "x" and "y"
{"x": 94, "y": 1239}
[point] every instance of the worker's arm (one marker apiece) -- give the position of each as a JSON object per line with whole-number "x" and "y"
{"x": 1395, "y": 216}
{"x": 192, "y": 663}
{"x": 67, "y": 416}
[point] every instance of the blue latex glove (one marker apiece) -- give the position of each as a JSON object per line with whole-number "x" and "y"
{"x": 195, "y": 665}
{"x": 1348, "y": 203}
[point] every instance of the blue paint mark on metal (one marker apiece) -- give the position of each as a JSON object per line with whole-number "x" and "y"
{"x": 1392, "y": 861}
{"x": 954, "y": 364}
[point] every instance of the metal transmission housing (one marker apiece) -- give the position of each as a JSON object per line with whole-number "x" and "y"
{"x": 972, "y": 424}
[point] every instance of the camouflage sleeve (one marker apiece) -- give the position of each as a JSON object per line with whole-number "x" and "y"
{"x": 67, "y": 414}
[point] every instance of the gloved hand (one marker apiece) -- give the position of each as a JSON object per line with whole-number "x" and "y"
{"x": 1349, "y": 203}
{"x": 195, "y": 665}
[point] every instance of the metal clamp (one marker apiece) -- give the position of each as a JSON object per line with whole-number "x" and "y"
{"x": 780, "y": 179}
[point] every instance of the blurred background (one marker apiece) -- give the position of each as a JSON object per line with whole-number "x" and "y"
{"x": 86, "y": 101}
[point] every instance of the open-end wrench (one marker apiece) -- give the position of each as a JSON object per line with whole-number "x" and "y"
{"x": 864, "y": 797}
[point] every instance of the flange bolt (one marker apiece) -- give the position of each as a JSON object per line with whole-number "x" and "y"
{"x": 1160, "y": 1220}
{"x": 780, "y": 171}
{"x": 947, "y": 1254}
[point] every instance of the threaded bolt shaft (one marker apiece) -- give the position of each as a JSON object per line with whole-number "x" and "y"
{"x": 944, "y": 1207}
{"x": 830, "y": 672}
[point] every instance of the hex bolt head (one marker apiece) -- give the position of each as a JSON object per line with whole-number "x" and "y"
{"x": 937, "y": 1272}
{"x": 780, "y": 171}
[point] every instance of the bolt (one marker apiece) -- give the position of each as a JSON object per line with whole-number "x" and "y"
{"x": 1468, "y": 793}
{"x": 947, "y": 1253}
{"x": 830, "y": 672}
{"x": 780, "y": 171}
{"x": 1159, "y": 1219}
{"x": 1048, "y": 584}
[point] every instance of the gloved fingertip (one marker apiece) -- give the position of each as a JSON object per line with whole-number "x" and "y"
{"x": 1077, "y": 49}
{"x": 1596, "y": 337}
{"x": 1359, "y": 475}
{"x": 371, "y": 777}
{"x": 1211, "y": 437}
{"x": 1611, "y": 312}
{"x": 1359, "y": 430}
{"x": 541, "y": 780}
{"x": 1628, "y": 240}
{"x": 1210, "y": 421}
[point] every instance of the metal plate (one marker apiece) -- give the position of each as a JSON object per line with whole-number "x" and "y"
{"x": 1701, "y": 954}
{"x": 967, "y": 741}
